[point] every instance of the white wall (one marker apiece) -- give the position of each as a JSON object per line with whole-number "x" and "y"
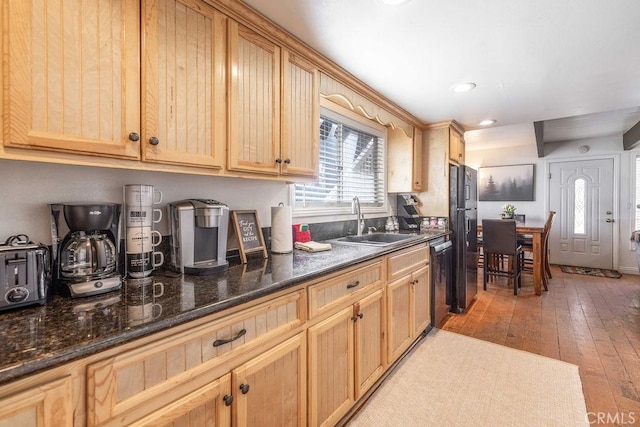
{"x": 486, "y": 148}
{"x": 27, "y": 188}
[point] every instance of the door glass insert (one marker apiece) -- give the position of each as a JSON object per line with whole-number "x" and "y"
{"x": 579, "y": 206}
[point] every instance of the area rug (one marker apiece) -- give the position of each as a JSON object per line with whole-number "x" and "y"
{"x": 599, "y": 272}
{"x": 454, "y": 380}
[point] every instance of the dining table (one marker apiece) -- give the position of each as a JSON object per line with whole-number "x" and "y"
{"x": 535, "y": 229}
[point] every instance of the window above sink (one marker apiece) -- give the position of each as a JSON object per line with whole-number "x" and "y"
{"x": 352, "y": 163}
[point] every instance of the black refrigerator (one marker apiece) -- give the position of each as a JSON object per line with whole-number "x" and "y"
{"x": 463, "y": 217}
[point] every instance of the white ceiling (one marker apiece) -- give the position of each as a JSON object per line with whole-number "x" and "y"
{"x": 531, "y": 60}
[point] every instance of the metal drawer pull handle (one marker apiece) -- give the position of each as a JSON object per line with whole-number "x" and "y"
{"x": 218, "y": 343}
{"x": 244, "y": 388}
{"x": 228, "y": 400}
{"x": 353, "y": 285}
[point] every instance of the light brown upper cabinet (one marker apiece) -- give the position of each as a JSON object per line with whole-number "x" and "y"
{"x": 417, "y": 160}
{"x": 456, "y": 146}
{"x": 438, "y": 140}
{"x": 299, "y": 148}
{"x": 184, "y": 101}
{"x": 262, "y": 138}
{"x": 73, "y": 79}
{"x": 404, "y": 159}
{"x": 254, "y": 102}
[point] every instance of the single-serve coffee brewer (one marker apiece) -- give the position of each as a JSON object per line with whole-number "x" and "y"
{"x": 198, "y": 236}
{"x": 85, "y": 239}
{"x": 141, "y": 240}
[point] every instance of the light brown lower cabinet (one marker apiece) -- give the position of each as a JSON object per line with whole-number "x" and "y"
{"x": 269, "y": 390}
{"x": 131, "y": 385}
{"x": 299, "y": 358}
{"x": 206, "y": 406}
{"x": 346, "y": 356}
{"x": 407, "y": 310}
{"x": 44, "y": 405}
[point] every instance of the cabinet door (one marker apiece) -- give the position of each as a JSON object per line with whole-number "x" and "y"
{"x": 399, "y": 324}
{"x": 435, "y": 188}
{"x": 271, "y": 389}
{"x": 73, "y": 76}
{"x": 331, "y": 358}
{"x": 254, "y": 102}
{"x": 299, "y": 148}
{"x": 456, "y": 147}
{"x": 204, "y": 407}
{"x": 421, "y": 300}
{"x": 417, "y": 159}
{"x": 184, "y": 101}
{"x": 136, "y": 383}
{"x": 404, "y": 262}
{"x": 370, "y": 348}
{"x": 400, "y": 149}
{"x": 47, "y": 405}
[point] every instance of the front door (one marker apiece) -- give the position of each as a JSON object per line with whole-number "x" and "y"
{"x": 581, "y": 194}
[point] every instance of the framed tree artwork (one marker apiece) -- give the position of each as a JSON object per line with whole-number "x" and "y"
{"x": 510, "y": 183}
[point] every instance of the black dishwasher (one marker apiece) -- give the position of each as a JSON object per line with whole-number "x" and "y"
{"x": 441, "y": 277}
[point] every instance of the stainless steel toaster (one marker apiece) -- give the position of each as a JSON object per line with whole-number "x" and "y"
{"x": 24, "y": 275}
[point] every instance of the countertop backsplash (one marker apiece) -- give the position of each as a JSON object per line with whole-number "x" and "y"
{"x": 29, "y": 187}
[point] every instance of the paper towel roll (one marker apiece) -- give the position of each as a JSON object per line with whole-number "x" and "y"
{"x": 281, "y": 238}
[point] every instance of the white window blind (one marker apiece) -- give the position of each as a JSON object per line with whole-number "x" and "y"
{"x": 351, "y": 164}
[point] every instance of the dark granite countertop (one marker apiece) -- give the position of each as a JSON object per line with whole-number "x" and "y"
{"x": 41, "y": 337}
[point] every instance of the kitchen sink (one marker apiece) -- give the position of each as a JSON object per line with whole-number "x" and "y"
{"x": 376, "y": 239}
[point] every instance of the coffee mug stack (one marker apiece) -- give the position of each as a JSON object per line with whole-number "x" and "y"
{"x": 141, "y": 238}
{"x": 142, "y": 297}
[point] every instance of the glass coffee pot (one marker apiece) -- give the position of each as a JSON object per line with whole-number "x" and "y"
{"x": 85, "y": 243}
{"x": 87, "y": 255}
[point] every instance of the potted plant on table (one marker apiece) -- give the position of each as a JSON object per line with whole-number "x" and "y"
{"x": 508, "y": 210}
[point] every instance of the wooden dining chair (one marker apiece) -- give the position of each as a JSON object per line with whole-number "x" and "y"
{"x": 527, "y": 247}
{"x": 500, "y": 244}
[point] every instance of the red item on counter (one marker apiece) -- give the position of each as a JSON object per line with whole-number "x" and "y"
{"x": 301, "y": 233}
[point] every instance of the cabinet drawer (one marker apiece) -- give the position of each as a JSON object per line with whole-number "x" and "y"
{"x": 44, "y": 405}
{"x": 338, "y": 291}
{"x": 406, "y": 261}
{"x": 131, "y": 385}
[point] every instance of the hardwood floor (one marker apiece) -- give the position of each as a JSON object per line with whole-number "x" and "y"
{"x": 592, "y": 322}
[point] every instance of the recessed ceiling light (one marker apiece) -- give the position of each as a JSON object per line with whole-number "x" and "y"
{"x": 393, "y": 2}
{"x": 464, "y": 87}
{"x": 487, "y": 122}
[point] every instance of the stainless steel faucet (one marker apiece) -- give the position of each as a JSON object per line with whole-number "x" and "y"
{"x": 355, "y": 210}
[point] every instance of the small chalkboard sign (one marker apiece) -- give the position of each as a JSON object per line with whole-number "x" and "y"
{"x": 249, "y": 233}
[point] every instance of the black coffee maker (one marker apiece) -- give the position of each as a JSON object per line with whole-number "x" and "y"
{"x": 86, "y": 259}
